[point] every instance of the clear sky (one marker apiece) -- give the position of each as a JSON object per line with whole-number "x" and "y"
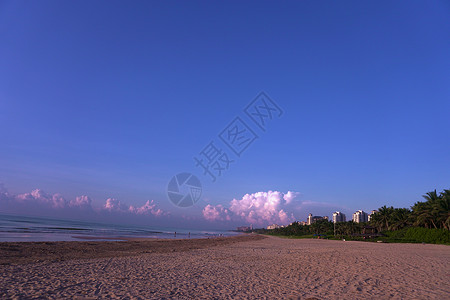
{"x": 110, "y": 99}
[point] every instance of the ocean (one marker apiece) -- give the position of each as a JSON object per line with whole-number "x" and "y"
{"x": 14, "y": 228}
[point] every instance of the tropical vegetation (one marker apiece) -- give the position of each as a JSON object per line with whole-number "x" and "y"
{"x": 426, "y": 221}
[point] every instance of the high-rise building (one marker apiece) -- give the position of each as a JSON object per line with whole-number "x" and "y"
{"x": 311, "y": 219}
{"x": 360, "y": 217}
{"x": 371, "y": 214}
{"x": 338, "y": 217}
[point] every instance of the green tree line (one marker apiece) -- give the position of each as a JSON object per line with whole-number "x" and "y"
{"x": 432, "y": 215}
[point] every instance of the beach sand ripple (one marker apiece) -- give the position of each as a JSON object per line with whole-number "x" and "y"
{"x": 239, "y": 267}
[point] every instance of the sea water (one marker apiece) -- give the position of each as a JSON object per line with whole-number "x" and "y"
{"x": 14, "y": 228}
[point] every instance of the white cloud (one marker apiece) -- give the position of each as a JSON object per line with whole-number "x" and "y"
{"x": 289, "y": 196}
{"x": 263, "y": 207}
{"x": 148, "y": 208}
{"x": 38, "y": 199}
{"x": 259, "y": 208}
{"x": 81, "y": 202}
{"x": 216, "y": 213}
{"x": 113, "y": 204}
{"x": 39, "y": 196}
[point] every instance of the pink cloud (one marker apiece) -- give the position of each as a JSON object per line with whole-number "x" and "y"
{"x": 259, "y": 208}
{"x": 216, "y": 213}
{"x": 289, "y": 196}
{"x": 263, "y": 207}
{"x": 148, "y": 208}
{"x": 39, "y": 196}
{"x": 81, "y": 202}
{"x": 39, "y": 199}
{"x": 113, "y": 204}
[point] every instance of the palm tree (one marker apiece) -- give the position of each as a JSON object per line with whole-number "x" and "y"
{"x": 376, "y": 221}
{"x": 347, "y": 228}
{"x": 441, "y": 209}
{"x": 399, "y": 218}
{"x": 429, "y": 211}
{"x": 384, "y": 216}
{"x": 340, "y": 228}
{"x": 422, "y": 214}
{"x": 353, "y": 227}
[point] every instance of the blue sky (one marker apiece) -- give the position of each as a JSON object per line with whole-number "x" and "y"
{"x": 110, "y": 99}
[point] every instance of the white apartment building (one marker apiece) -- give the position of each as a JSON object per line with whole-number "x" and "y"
{"x": 311, "y": 219}
{"x": 360, "y": 217}
{"x": 338, "y": 217}
{"x": 370, "y": 215}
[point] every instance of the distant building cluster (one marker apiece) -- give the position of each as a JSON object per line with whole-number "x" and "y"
{"x": 359, "y": 216}
{"x": 312, "y": 219}
{"x": 301, "y": 222}
{"x": 274, "y": 226}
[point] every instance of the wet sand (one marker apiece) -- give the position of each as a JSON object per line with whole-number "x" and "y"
{"x": 236, "y": 267}
{"x": 29, "y": 252}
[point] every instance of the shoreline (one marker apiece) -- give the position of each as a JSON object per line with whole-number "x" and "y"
{"x": 53, "y": 251}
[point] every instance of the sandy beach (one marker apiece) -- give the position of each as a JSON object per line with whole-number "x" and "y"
{"x": 237, "y": 267}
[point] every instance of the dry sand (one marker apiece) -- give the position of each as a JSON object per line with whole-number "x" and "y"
{"x": 239, "y": 267}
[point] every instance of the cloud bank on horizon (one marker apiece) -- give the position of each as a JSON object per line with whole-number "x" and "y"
{"x": 42, "y": 200}
{"x": 259, "y": 208}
